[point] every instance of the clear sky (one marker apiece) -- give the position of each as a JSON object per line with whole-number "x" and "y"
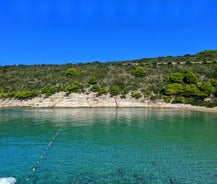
{"x": 72, "y": 31}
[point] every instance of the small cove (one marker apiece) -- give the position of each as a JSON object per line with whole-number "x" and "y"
{"x": 108, "y": 145}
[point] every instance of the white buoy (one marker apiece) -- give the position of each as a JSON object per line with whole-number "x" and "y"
{"x": 9, "y": 180}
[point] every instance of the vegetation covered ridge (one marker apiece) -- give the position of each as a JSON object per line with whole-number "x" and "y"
{"x": 189, "y": 79}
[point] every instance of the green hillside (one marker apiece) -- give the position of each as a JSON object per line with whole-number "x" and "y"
{"x": 183, "y": 79}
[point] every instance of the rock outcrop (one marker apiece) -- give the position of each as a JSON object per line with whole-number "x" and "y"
{"x": 61, "y": 99}
{"x": 79, "y": 100}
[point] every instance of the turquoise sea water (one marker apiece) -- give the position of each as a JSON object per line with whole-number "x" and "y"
{"x": 108, "y": 146}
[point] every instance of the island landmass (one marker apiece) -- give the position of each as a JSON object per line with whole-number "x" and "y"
{"x": 181, "y": 82}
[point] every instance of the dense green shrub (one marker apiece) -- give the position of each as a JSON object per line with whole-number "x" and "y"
{"x": 114, "y": 90}
{"x": 147, "y": 93}
{"x": 206, "y": 88}
{"x": 48, "y": 91}
{"x": 172, "y": 89}
{"x": 214, "y": 82}
{"x": 25, "y": 94}
{"x": 71, "y": 72}
{"x": 191, "y": 90}
{"x": 74, "y": 87}
{"x": 190, "y": 77}
{"x": 166, "y": 78}
{"x": 94, "y": 88}
{"x": 139, "y": 72}
{"x": 101, "y": 91}
{"x": 179, "y": 99}
{"x": 125, "y": 91}
{"x": 7, "y": 95}
{"x": 214, "y": 73}
{"x": 156, "y": 97}
{"x": 176, "y": 77}
{"x": 92, "y": 80}
{"x": 123, "y": 96}
{"x": 198, "y": 102}
{"x": 167, "y": 99}
{"x": 136, "y": 95}
{"x": 188, "y": 63}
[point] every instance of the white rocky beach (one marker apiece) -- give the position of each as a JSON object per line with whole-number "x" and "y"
{"x": 75, "y": 100}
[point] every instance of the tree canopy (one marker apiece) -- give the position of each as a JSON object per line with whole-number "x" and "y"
{"x": 71, "y": 72}
{"x": 139, "y": 72}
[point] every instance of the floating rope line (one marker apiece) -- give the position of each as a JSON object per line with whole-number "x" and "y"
{"x": 43, "y": 155}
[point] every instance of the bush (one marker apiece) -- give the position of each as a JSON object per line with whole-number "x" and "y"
{"x": 214, "y": 82}
{"x": 125, "y": 91}
{"x": 101, "y": 91}
{"x": 7, "y": 95}
{"x": 136, "y": 95}
{"x": 74, "y": 87}
{"x": 123, "y": 96}
{"x": 200, "y": 102}
{"x": 191, "y": 90}
{"x": 25, "y": 94}
{"x": 139, "y": 72}
{"x": 92, "y": 80}
{"x": 94, "y": 88}
{"x": 167, "y": 99}
{"x": 189, "y": 100}
{"x": 179, "y": 99}
{"x": 156, "y": 97}
{"x": 172, "y": 89}
{"x": 190, "y": 77}
{"x": 206, "y": 88}
{"x": 197, "y": 102}
{"x": 114, "y": 90}
{"x": 188, "y": 63}
{"x": 166, "y": 77}
{"x": 71, "y": 72}
{"x": 48, "y": 91}
{"x": 147, "y": 93}
{"x": 176, "y": 77}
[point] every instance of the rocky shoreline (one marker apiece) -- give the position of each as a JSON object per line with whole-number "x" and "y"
{"x": 61, "y": 100}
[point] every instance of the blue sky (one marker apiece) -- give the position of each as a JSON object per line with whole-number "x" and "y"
{"x": 64, "y": 31}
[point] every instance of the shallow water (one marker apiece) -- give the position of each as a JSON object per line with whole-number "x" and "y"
{"x": 108, "y": 146}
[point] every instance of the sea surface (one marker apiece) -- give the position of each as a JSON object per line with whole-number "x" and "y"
{"x": 129, "y": 145}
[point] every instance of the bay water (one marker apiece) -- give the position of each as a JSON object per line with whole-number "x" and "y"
{"x": 108, "y": 145}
